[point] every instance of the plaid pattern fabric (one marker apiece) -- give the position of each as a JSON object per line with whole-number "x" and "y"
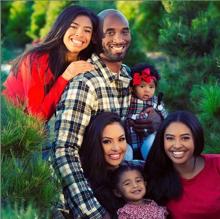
{"x": 87, "y": 94}
{"x": 136, "y": 107}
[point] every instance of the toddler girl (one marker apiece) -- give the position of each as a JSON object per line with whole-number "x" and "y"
{"x": 129, "y": 184}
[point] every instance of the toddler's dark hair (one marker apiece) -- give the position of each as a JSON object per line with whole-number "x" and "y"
{"x": 125, "y": 166}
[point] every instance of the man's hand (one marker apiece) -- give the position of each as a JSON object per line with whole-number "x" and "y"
{"x": 146, "y": 126}
{"x": 141, "y": 126}
{"x": 148, "y": 110}
{"x": 155, "y": 118}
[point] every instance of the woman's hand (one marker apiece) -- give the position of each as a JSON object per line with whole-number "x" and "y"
{"x": 76, "y": 68}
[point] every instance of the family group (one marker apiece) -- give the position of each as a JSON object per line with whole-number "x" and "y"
{"x": 117, "y": 151}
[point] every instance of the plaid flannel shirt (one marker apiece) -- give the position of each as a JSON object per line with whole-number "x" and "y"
{"x": 135, "y": 108}
{"x": 87, "y": 94}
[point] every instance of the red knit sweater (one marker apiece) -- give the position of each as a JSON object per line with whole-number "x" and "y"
{"x": 201, "y": 194}
{"x": 27, "y": 88}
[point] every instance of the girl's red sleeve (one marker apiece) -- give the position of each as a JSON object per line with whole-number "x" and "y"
{"x": 41, "y": 103}
{"x": 13, "y": 90}
{"x": 31, "y": 85}
{"x": 16, "y": 87}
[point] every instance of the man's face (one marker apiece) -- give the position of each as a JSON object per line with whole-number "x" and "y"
{"x": 116, "y": 38}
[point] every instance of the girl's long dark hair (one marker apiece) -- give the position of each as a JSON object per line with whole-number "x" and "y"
{"x": 163, "y": 180}
{"x": 53, "y": 42}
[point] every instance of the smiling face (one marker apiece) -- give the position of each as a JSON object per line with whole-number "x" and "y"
{"x": 132, "y": 186}
{"x": 179, "y": 144}
{"x": 145, "y": 91}
{"x": 114, "y": 144}
{"x": 78, "y": 36}
{"x": 116, "y": 38}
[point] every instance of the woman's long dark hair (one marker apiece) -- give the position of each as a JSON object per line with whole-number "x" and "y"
{"x": 93, "y": 162}
{"x": 53, "y": 42}
{"x": 91, "y": 151}
{"x": 163, "y": 180}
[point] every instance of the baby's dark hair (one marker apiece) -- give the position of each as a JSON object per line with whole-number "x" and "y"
{"x": 138, "y": 68}
{"x": 125, "y": 166}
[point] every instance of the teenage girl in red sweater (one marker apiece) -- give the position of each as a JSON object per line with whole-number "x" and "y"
{"x": 39, "y": 77}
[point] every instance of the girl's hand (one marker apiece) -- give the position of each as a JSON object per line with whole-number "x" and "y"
{"x": 76, "y": 68}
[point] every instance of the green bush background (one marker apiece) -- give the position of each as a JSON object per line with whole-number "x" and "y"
{"x": 181, "y": 38}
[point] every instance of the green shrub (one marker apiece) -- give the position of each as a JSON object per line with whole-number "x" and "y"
{"x": 21, "y": 134}
{"x": 19, "y": 212}
{"x": 18, "y": 24}
{"x": 26, "y": 178}
{"x": 53, "y": 10}
{"x": 38, "y": 18}
{"x": 207, "y": 101}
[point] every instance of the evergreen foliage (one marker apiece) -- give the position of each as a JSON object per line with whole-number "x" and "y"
{"x": 38, "y": 18}
{"x": 26, "y": 181}
{"x": 168, "y": 5}
{"x": 196, "y": 37}
{"x": 19, "y": 212}
{"x": 54, "y": 8}
{"x": 96, "y": 5}
{"x": 26, "y": 178}
{"x": 206, "y": 99}
{"x": 18, "y": 23}
{"x": 21, "y": 134}
{"x": 5, "y": 8}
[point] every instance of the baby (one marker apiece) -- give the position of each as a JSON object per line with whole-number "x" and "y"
{"x": 144, "y": 105}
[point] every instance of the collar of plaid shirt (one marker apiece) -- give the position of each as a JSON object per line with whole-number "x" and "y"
{"x": 107, "y": 74}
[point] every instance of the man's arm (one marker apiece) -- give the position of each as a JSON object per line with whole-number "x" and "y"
{"x": 73, "y": 115}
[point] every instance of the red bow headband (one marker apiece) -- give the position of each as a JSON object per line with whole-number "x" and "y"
{"x": 144, "y": 75}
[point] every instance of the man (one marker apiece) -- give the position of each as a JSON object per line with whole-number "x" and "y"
{"x": 105, "y": 89}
